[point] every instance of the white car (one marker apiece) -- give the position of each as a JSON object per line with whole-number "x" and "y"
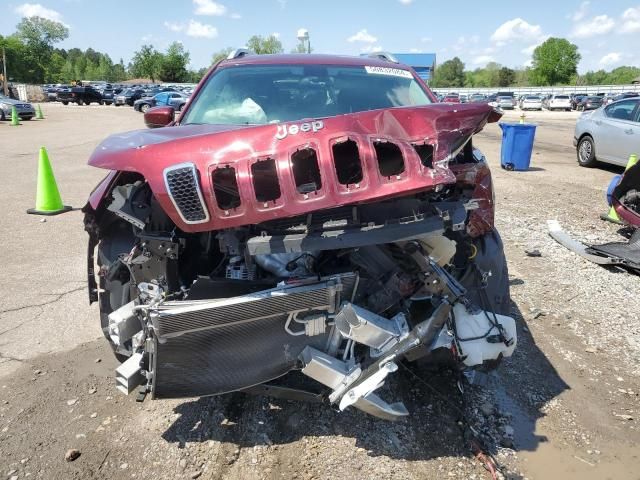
{"x": 531, "y": 102}
{"x": 559, "y": 102}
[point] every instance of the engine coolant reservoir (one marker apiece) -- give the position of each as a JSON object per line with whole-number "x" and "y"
{"x": 476, "y": 325}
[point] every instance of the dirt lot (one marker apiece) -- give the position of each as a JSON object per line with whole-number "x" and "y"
{"x": 565, "y": 406}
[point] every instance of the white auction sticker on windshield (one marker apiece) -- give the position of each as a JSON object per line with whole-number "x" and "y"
{"x": 394, "y": 72}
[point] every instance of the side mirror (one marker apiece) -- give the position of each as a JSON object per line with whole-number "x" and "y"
{"x": 159, "y": 117}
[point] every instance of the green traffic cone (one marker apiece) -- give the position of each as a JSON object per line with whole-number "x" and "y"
{"x": 39, "y": 115}
{"x": 15, "y": 120}
{"x": 48, "y": 201}
{"x": 633, "y": 159}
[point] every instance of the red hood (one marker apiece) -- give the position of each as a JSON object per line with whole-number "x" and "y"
{"x": 149, "y": 152}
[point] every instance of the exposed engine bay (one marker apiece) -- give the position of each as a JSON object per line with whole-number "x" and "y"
{"x": 292, "y": 275}
{"x": 341, "y": 295}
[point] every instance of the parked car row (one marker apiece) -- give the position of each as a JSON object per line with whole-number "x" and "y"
{"x": 551, "y": 102}
{"x": 141, "y": 97}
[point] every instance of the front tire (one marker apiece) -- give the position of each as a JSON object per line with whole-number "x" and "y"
{"x": 586, "y": 152}
{"x": 144, "y": 107}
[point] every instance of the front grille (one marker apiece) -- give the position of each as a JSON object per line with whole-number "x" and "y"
{"x": 184, "y": 190}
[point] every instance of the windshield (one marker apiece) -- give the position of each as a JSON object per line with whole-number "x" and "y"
{"x": 261, "y": 94}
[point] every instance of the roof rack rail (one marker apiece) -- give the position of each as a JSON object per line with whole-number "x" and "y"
{"x": 389, "y": 57}
{"x": 239, "y": 53}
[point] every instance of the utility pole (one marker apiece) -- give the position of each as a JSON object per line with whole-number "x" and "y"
{"x": 5, "y": 85}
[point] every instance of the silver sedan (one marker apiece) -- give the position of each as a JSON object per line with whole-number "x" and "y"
{"x": 609, "y": 134}
{"x": 24, "y": 110}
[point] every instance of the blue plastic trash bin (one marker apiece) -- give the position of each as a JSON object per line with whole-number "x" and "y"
{"x": 517, "y": 144}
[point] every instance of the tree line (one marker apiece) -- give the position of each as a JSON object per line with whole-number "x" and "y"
{"x": 554, "y": 62}
{"x": 32, "y": 57}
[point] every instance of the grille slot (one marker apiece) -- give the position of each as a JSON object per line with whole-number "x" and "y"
{"x": 265, "y": 180}
{"x": 390, "y": 161}
{"x": 225, "y": 188}
{"x": 347, "y": 162}
{"x": 184, "y": 190}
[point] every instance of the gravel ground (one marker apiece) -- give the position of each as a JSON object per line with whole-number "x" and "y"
{"x": 565, "y": 406}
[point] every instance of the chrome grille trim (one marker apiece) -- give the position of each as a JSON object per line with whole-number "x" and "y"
{"x": 201, "y": 215}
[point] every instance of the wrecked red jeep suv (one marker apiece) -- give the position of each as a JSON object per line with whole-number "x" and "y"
{"x": 307, "y": 224}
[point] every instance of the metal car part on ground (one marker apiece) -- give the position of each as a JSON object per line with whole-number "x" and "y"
{"x": 326, "y": 249}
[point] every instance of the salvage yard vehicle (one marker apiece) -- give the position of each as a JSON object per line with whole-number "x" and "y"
{"x": 306, "y": 217}
{"x": 609, "y": 134}
{"x": 505, "y": 102}
{"x": 177, "y": 100}
{"x": 589, "y": 103}
{"x": 559, "y": 102}
{"x": 80, "y": 95}
{"x": 531, "y": 102}
{"x": 129, "y": 96}
{"x": 24, "y": 109}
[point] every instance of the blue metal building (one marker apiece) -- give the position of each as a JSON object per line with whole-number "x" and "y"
{"x": 423, "y": 63}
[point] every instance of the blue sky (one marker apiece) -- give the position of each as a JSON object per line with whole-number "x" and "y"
{"x": 607, "y": 32}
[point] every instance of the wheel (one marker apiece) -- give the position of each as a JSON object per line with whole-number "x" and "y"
{"x": 144, "y": 107}
{"x": 86, "y": 103}
{"x": 26, "y": 118}
{"x": 2, "y": 117}
{"x": 65, "y": 103}
{"x": 117, "y": 104}
{"x": 586, "y": 152}
{"x": 181, "y": 107}
{"x": 101, "y": 102}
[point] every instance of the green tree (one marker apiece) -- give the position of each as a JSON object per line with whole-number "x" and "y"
{"x": 67, "y": 73}
{"x": 39, "y": 34}
{"x": 220, "y": 55}
{"x": 555, "y": 61}
{"x": 119, "y": 72}
{"x": 53, "y": 73}
{"x": 522, "y": 77}
{"x": 622, "y": 75}
{"x": 18, "y": 67}
{"x": 506, "y": 77}
{"x": 173, "y": 67}
{"x": 260, "y": 45}
{"x": 146, "y": 63}
{"x": 449, "y": 74}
